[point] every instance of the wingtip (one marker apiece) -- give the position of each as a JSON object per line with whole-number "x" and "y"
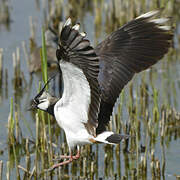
{"x": 161, "y": 23}
{"x": 76, "y": 27}
{"x": 149, "y": 14}
{"x": 160, "y": 20}
{"x": 68, "y": 22}
{"x": 83, "y": 34}
{"x": 165, "y": 28}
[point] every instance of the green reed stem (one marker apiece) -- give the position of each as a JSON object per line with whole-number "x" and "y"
{"x": 11, "y": 116}
{"x": 11, "y": 124}
{"x": 37, "y": 141}
{"x": 44, "y": 58}
{"x": 45, "y": 78}
{"x": 16, "y": 161}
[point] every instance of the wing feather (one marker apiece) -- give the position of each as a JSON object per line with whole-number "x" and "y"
{"x": 131, "y": 49}
{"x": 75, "y": 49}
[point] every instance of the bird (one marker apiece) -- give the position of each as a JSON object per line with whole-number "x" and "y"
{"x": 93, "y": 78}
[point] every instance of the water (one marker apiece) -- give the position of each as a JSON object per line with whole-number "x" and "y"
{"x": 109, "y": 161}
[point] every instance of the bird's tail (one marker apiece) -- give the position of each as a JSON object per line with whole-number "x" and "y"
{"x": 110, "y": 137}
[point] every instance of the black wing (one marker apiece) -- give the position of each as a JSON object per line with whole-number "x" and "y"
{"x": 131, "y": 49}
{"x": 75, "y": 49}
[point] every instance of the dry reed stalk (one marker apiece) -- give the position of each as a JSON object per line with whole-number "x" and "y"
{"x": 1, "y": 170}
{"x": 1, "y": 67}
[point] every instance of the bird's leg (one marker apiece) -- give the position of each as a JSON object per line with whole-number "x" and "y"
{"x": 77, "y": 156}
{"x": 63, "y": 157}
{"x": 74, "y": 157}
{"x": 60, "y": 164}
{"x": 71, "y": 158}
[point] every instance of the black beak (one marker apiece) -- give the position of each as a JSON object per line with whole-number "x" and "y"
{"x": 33, "y": 105}
{"x": 34, "y": 102}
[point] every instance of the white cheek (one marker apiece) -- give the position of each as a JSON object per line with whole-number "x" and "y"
{"x": 43, "y": 106}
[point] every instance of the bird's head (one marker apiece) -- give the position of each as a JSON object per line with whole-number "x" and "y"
{"x": 44, "y": 101}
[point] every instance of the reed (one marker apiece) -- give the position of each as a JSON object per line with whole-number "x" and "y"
{"x": 16, "y": 162}
{"x": 28, "y": 159}
{"x": 47, "y": 145}
{"x": 155, "y": 107}
{"x": 26, "y": 53}
{"x": 1, "y": 67}
{"x": 17, "y": 128}
{"x": 5, "y": 18}
{"x": 32, "y": 30}
{"x": 18, "y": 79}
{"x": 11, "y": 124}
{"x": 44, "y": 58}
{"x": 37, "y": 145}
{"x": 8, "y": 171}
{"x": 1, "y": 170}
{"x": 6, "y": 83}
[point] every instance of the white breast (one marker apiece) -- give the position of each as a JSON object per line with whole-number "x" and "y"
{"x": 71, "y": 111}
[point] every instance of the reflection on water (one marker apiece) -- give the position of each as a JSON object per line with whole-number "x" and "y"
{"x": 5, "y": 18}
{"x": 148, "y": 108}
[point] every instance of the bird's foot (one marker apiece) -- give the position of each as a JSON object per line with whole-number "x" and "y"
{"x": 71, "y": 158}
{"x": 59, "y": 164}
{"x": 65, "y": 157}
{"x": 68, "y": 157}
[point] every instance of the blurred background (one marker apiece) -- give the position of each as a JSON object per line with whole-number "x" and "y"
{"x": 148, "y": 108}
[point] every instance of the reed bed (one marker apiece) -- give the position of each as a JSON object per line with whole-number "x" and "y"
{"x": 139, "y": 113}
{"x": 139, "y": 156}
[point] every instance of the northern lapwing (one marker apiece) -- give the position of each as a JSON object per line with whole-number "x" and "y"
{"x": 92, "y": 78}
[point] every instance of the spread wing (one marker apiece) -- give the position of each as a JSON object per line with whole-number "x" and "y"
{"x": 131, "y": 49}
{"x": 75, "y": 49}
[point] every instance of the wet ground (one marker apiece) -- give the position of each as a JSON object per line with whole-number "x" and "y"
{"x": 157, "y": 119}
